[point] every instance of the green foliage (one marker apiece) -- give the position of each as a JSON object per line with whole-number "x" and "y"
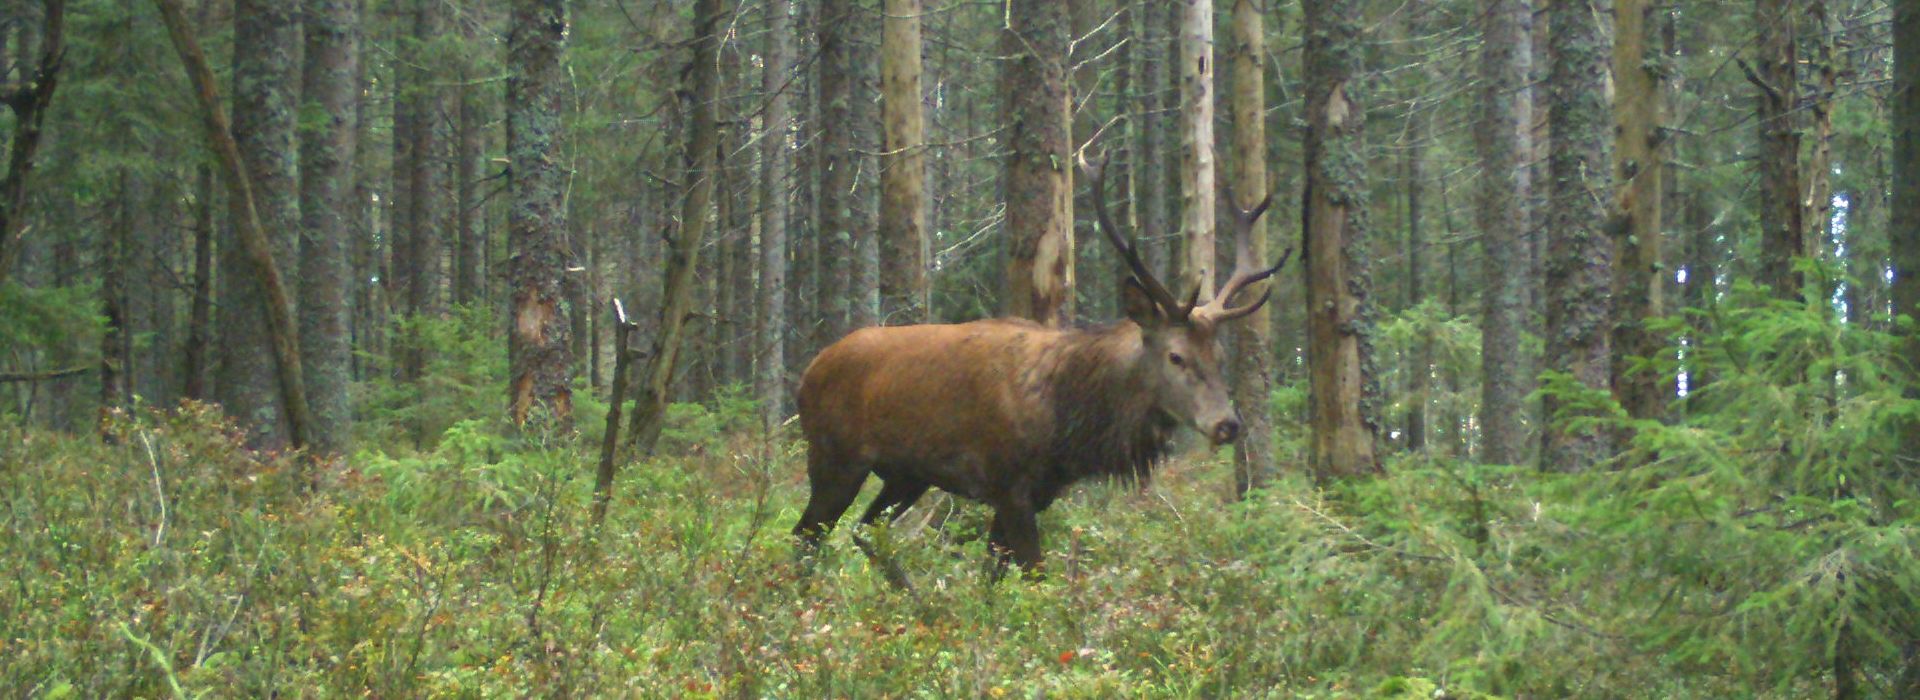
{"x": 62, "y": 323}
{"x": 464, "y": 372}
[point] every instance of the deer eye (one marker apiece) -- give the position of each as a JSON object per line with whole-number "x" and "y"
{"x": 1176, "y": 359}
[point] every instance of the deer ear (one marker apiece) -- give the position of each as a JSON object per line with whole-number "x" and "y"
{"x": 1139, "y": 306}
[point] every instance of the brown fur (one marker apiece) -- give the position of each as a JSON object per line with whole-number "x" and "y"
{"x": 1003, "y": 411}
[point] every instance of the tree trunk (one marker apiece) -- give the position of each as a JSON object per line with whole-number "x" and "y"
{"x": 200, "y": 317}
{"x": 1579, "y": 255}
{"x": 1506, "y": 216}
{"x": 1903, "y": 227}
{"x": 1150, "y": 157}
{"x": 284, "y": 336}
{"x": 1782, "y": 225}
{"x": 835, "y": 162}
{"x": 1421, "y": 370}
{"x": 265, "y": 113}
{"x": 468, "y": 264}
{"x": 1197, "y": 186}
{"x": 1251, "y": 378}
{"x": 116, "y": 340}
{"x": 903, "y": 170}
{"x": 29, "y": 104}
{"x": 776, "y": 161}
{"x": 650, "y": 405}
{"x": 1339, "y": 286}
{"x": 1818, "y": 202}
{"x": 1039, "y": 204}
{"x": 1639, "y": 273}
{"x": 540, "y": 357}
{"x": 425, "y": 181}
{"x": 326, "y": 170}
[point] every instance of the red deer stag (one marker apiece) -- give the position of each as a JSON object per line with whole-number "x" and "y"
{"x": 1010, "y": 412}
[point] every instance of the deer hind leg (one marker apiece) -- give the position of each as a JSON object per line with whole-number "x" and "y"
{"x": 833, "y": 486}
{"x": 1015, "y": 537}
{"x": 895, "y": 498}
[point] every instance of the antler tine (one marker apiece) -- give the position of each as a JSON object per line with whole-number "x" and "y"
{"x": 1154, "y": 289}
{"x": 1247, "y": 270}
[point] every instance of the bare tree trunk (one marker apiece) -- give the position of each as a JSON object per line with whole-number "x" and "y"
{"x": 1339, "y": 286}
{"x": 1639, "y": 285}
{"x": 29, "y": 103}
{"x": 1782, "y": 218}
{"x": 1903, "y": 227}
{"x": 540, "y": 357}
{"x": 1039, "y": 201}
{"x": 650, "y": 405}
{"x": 332, "y": 90}
{"x": 1251, "y": 379}
{"x": 1579, "y": 255}
{"x": 468, "y": 265}
{"x": 116, "y": 340}
{"x": 1197, "y": 185}
{"x": 776, "y": 161}
{"x": 1506, "y": 216}
{"x": 1818, "y": 203}
{"x": 903, "y": 170}
{"x": 265, "y": 106}
{"x": 285, "y": 336}
{"x": 1421, "y": 372}
{"x": 426, "y": 181}
{"x": 835, "y": 162}
{"x": 200, "y": 317}
{"x": 1150, "y": 157}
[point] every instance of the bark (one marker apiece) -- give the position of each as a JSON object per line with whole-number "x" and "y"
{"x": 1782, "y": 218}
{"x": 1039, "y": 218}
{"x": 116, "y": 341}
{"x": 1150, "y": 156}
{"x": 29, "y": 103}
{"x": 835, "y": 165}
{"x": 1197, "y": 186}
{"x": 1818, "y": 203}
{"x": 903, "y": 169}
{"x": 331, "y": 91}
{"x": 1506, "y": 215}
{"x": 200, "y": 316}
{"x": 1639, "y": 272}
{"x": 1251, "y": 376}
{"x": 265, "y": 113}
{"x": 469, "y": 265}
{"x": 1903, "y": 227}
{"x": 1340, "y": 320}
{"x": 1579, "y": 255}
{"x": 426, "y": 184}
{"x": 258, "y": 249}
{"x": 1421, "y": 372}
{"x": 650, "y": 405}
{"x": 776, "y": 162}
{"x": 540, "y": 357}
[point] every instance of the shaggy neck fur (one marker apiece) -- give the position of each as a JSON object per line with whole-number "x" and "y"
{"x": 1105, "y": 423}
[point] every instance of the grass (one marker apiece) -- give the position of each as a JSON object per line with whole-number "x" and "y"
{"x": 168, "y": 562}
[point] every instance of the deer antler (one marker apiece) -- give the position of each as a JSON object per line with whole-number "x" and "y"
{"x": 1154, "y": 289}
{"x": 1246, "y": 268}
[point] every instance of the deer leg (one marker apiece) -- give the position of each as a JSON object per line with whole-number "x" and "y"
{"x": 898, "y": 494}
{"x": 833, "y": 488}
{"x": 895, "y": 497}
{"x": 997, "y": 546}
{"x": 1021, "y": 532}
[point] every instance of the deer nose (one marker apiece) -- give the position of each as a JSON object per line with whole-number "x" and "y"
{"x": 1226, "y": 431}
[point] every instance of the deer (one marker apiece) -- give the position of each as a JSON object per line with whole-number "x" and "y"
{"x": 1009, "y": 412}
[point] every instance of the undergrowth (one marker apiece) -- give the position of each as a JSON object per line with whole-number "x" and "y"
{"x": 1761, "y": 545}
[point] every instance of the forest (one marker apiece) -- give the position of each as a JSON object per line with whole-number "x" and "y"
{"x": 455, "y": 348}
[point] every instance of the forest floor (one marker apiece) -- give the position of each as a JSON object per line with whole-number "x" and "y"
{"x": 169, "y": 561}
